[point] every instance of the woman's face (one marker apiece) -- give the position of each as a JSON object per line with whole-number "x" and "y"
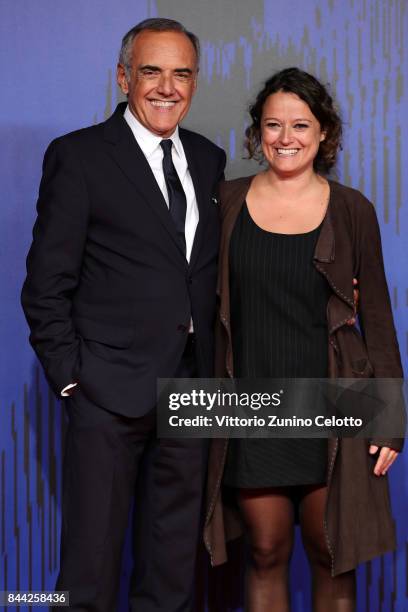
{"x": 290, "y": 134}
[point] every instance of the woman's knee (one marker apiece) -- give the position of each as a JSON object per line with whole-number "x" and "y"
{"x": 318, "y": 552}
{"x": 266, "y": 556}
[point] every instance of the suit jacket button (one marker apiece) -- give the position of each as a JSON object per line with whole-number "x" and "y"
{"x": 181, "y": 328}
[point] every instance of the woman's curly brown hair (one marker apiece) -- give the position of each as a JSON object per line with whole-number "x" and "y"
{"x": 316, "y": 96}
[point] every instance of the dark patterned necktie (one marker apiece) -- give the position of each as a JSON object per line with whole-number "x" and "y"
{"x": 177, "y": 197}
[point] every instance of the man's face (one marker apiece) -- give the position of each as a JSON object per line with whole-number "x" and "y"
{"x": 163, "y": 79}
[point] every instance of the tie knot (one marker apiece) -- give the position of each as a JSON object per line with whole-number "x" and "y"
{"x": 166, "y": 146}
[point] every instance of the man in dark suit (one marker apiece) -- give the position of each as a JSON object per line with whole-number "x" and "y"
{"x": 120, "y": 290}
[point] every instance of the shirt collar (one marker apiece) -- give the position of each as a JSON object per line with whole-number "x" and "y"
{"x": 148, "y": 141}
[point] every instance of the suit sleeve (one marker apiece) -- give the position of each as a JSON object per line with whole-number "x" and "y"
{"x": 54, "y": 263}
{"x": 375, "y": 312}
{"x": 221, "y": 167}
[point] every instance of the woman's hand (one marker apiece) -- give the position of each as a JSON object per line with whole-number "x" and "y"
{"x": 385, "y": 459}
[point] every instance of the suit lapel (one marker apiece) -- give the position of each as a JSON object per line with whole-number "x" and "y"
{"x": 197, "y": 173}
{"x": 130, "y": 158}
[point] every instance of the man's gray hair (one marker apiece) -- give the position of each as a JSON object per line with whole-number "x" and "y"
{"x": 156, "y": 24}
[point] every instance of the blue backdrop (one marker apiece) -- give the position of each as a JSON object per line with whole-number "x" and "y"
{"x": 58, "y": 63}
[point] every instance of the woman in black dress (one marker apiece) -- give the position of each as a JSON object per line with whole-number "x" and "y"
{"x": 278, "y": 303}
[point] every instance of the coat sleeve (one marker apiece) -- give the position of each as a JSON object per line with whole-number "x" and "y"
{"x": 54, "y": 263}
{"x": 375, "y": 312}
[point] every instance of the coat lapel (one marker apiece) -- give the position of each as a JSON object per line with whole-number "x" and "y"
{"x": 197, "y": 173}
{"x": 335, "y": 269}
{"x": 129, "y": 157}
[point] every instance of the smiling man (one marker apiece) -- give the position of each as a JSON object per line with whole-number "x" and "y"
{"x": 120, "y": 290}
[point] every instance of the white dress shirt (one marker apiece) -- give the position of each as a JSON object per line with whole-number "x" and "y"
{"x": 150, "y": 145}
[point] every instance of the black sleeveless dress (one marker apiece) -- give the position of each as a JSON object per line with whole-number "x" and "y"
{"x": 279, "y": 330}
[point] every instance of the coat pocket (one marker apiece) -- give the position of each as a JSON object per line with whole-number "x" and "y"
{"x": 362, "y": 368}
{"x": 115, "y": 336}
{"x": 352, "y": 356}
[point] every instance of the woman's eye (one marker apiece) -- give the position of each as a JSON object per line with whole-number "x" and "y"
{"x": 301, "y": 126}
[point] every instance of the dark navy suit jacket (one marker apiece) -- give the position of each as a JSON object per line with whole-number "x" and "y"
{"x": 109, "y": 293}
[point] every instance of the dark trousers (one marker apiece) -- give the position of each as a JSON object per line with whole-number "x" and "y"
{"x": 108, "y": 458}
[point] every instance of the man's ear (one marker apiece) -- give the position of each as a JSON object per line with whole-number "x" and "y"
{"x": 121, "y": 79}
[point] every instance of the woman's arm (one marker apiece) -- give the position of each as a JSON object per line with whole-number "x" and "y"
{"x": 376, "y": 319}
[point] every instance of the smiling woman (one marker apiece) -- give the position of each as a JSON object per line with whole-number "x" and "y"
{"x": 292, "y": 242}
{"x": 314, "y": 99}
{"x": 291, "y": 134}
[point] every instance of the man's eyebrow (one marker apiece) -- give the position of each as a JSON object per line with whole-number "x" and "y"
{"x": 149, "y": 67}
{"x": 158, "y": 69}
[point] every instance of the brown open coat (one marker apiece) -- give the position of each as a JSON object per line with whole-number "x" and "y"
{"x": 358, "y": 521}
